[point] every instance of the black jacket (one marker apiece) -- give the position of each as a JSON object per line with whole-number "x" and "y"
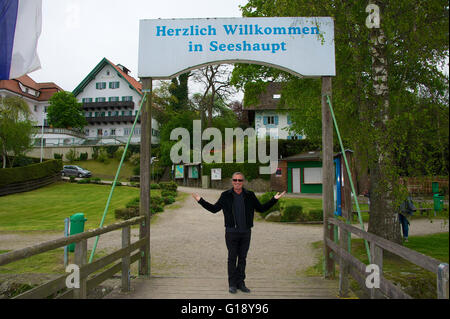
{"x": 225, "y": 203}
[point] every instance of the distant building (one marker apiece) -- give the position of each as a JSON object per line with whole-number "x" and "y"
{"x": 268, "y": 118}
{"x": 111, "y": 99}
{"x": 36, "y": 95}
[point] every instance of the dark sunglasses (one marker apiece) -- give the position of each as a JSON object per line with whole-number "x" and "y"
{"x": 237, "y": 180}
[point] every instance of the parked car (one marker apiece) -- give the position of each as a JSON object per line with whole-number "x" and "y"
{"x": 73, "y": 170}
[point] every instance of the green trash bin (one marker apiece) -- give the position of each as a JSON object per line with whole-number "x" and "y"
{"x": 435, "y": 187}
{"x": 438, "y": 202}
{"x": 76, "y": 226}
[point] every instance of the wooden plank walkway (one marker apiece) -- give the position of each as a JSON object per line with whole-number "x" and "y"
{"x": 157, "y": 287}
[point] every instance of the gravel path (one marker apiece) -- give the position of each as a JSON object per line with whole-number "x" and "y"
{"x": 190, "y": 241}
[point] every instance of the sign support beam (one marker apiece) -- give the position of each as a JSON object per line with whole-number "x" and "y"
{"x": 144, "y": 203}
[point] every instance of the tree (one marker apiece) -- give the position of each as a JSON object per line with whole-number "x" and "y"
{"x": 215, "y": 80}
{"x": 384, "y": 78}
{"x": 15, "y": 128}
{"x": 65, "y": 111}
{"x": 180, "y": 92}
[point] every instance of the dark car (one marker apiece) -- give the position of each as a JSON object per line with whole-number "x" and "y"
{"x": 73, "y": 170}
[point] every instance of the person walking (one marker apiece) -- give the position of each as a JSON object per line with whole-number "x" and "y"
{"x": 238, "y": 205}
{"x": 407, "y": 209}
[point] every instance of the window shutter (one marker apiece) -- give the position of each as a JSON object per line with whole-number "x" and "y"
{"x": 276, "y": 119}
{"x": 265, "y": 120}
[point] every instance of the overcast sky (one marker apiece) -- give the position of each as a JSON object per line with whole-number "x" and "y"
{"x": 77, "y": 34}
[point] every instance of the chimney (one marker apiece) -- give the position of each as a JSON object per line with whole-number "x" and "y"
{"x": 123, "y": 68}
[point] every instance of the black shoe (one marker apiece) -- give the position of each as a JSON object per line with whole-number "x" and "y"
{"x": 243, "y": 288}
{"x": 232, "y": 290}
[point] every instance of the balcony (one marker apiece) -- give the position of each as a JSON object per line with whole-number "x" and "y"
{"x": 111, "y": 119}
{"x": 119, "y": 105}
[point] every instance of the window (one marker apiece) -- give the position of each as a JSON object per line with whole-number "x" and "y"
{"x": 126, "y": 131}
{"x": 270, "y": 120}
{"x": 100, "y": 99}
{"x": 127, "y": 98}
{"x": 113, "y": 99}
{"x": 114, "y": 85}
{"x": 35, "y": 108}
{"x": 113, "y": 131}
{"x": 100, "y": 85}
{"x": 312, "y": 175}
{"x": 99, "y": 132}
{"x": 86, "y": 100}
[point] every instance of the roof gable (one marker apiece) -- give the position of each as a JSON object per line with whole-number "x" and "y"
{"x": 133, "y": 83}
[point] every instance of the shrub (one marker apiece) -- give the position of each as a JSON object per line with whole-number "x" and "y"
{"x": 83, "y": 156}
{"x": 118, "y": 154}
{"x": 102, "y": 156}
{"x": 95, "y": 180}
{"x": 30, "y": 172}
{"x": 293, "y": 214}
{"x": 264, "y": 198}
{"x": 84, "y": 181}
{"x": 155, "y": 186}
{"x": 58, "y": 156}
{"x": 166, "y": 193}
{"x": 135, "y": 159}
{"x": 315, "y": 215}
{"x": 72, "y": 179}
{"x": 126, "y": 213}
{"x": 171, "y": 186}
{"x": 133, "y": 203}
{"x": 71, "y": 155}
{"x": 169, "y": 200}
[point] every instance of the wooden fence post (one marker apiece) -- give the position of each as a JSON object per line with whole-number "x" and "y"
{"x": 327, "y": 176}
{"x": 442, "y": 281}
{"x": 146, "y": 153}
{"x": 376, "y": 253}
{"x": 80, "y": 260}
{"x": 126, "y": 241}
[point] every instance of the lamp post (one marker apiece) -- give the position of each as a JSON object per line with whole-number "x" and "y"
{"x": 44, "y": 116}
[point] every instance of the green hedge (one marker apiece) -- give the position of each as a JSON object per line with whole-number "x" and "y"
{"x": 250, "y": 170}
{"x": 30, "y": 172}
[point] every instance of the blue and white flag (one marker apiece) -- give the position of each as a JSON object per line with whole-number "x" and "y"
{"x": 20, "y": 28}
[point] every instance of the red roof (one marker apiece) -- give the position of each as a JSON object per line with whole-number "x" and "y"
{"x": 46, "y": 89}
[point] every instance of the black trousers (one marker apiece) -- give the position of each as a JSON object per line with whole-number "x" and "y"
{"x": 238, "y": 245}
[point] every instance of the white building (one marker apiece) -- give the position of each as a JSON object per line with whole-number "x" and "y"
{"x": 268, "y": 118}
{"x": 111, "y": 100}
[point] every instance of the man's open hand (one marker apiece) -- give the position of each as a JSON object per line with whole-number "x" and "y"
{"x": 278, "y": 195}
{"x": 196, "y": 196}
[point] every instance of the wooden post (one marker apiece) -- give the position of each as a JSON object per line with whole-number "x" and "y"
{"x": 442, "y": 281}
{"x": 376, "y": 253}
{"x": 80, "y": 260}
{"x": 144, "y": 206}
{"x": 126, "y": 241}
{"x": 327, "y": 175}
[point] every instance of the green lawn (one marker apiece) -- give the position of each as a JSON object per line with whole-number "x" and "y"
{"x": 44, "y": 209}
{"x": 107, "y": 170}
{"x": 416, "y": 281}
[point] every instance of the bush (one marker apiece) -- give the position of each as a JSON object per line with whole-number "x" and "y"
{"x": 315, "y": 215}
{"x": 102, "y": 156}
{"x": 293, "y": 214}
{"x": 126, "y": 213}
{"x": 58, "y": 156}
{"x": 118, "y": 154}
{"x": 95, "y": 180}
{"x": 264, "y": 198}
{"x": 30, "y": 172}
{"x": 84, "y": 181}
{"x": 83, "y": 156}
{"x": 156, "y": 204}
{"x": 166, "y": 193}
{"x": 72, "y": 179}
{"x": 133, "y": 203}
{"x": 155, "y": 186}
{"x": 170, "y": 186}
{"x": 135, "y": 159}
{"x": 169, "y": 200}
{"x": 71, "y": 155}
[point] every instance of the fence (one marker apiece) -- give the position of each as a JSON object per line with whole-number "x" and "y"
{"x": 351, "y": 265}
{"x": 29, "y": 185}
{"x": 58, "y": 286}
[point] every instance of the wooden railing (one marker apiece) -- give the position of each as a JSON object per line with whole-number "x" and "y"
{"x": 58, "y": 286}
{"x": 350, "y": 265}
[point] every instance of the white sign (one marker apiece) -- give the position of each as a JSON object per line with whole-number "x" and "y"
{"x": 216, "y": 174}
{"x": 302, "y": 46}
